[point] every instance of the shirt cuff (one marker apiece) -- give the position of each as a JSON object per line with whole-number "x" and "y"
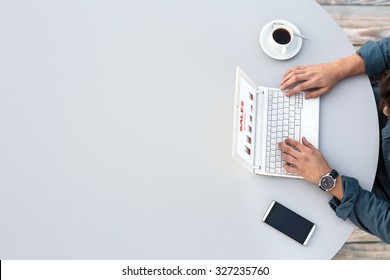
{"x": 374, "y": 61}
{"x": 344, "y": 208}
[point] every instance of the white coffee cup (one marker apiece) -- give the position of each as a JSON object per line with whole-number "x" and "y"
{"x": 281, "y": 37}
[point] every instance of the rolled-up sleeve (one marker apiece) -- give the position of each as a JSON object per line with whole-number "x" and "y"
{"x": 364, "y": 209}
{"x": 376, "y": 56}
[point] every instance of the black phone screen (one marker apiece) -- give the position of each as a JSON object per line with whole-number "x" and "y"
{"x": 289, "y": 222}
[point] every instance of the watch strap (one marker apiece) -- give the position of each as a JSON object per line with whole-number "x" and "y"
{"x": 334, "y": 174}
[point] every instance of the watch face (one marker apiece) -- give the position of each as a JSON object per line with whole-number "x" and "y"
{"x": 327, "y": 182}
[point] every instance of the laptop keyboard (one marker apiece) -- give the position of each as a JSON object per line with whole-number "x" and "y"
{"x": 284, "y": 121}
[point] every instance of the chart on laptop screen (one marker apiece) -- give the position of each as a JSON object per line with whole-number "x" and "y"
{"x": 246, "y": 120}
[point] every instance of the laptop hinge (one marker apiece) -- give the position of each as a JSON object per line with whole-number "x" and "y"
{"x": 260, "y": 93}
{"x": 257, "y": 169}
{"x": 260, "y": 90}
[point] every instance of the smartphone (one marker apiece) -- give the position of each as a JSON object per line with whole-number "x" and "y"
{"x": 289, "y": 222}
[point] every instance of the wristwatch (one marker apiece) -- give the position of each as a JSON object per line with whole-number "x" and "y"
{"x": 328, "y": 181}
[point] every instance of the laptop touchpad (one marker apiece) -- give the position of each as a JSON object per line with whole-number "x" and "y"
{"x": 311, "y": 134}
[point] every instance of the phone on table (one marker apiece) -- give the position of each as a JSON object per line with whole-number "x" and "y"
{"x": 289, "y": 222}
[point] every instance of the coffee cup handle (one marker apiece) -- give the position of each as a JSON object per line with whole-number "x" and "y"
{"x": 283, "y": 49}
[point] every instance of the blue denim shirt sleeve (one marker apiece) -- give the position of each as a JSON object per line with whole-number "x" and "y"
{"x": 364, "y": 209}
{"x": 376, "y": 56}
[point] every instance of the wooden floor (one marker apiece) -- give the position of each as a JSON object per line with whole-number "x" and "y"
{"x": 361, "y": 20}
{"x": 363, "y": 246}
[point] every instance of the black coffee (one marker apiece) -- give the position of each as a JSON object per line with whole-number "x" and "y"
{"x": 281, "y": 36}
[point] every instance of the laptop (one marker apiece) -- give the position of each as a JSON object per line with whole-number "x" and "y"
{"x": 263, "y": 117}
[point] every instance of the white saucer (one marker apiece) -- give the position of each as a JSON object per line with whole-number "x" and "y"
{"x": 265, "y": 39}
